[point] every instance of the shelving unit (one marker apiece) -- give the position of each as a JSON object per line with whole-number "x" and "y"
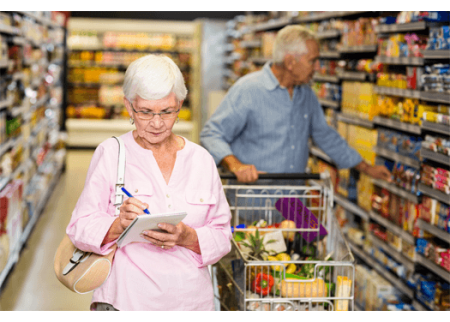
{"x": 39, "y": 109}
{"x": 255, "y": 60}
{"x": 80, "y": 129}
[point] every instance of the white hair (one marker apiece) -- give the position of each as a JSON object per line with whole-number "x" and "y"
{"x": 153, "y": 77}
{"x": 291, "y": 40}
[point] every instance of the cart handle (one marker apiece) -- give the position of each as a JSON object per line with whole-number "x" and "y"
{"x": 282, "y": 176}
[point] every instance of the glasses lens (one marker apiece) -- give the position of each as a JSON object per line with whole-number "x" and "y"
{"x": 169, "y": 115}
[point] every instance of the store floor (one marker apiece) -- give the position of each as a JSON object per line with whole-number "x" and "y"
{"x": 32, "y": 285}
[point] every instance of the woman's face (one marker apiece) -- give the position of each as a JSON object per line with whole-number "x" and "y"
{"x": 155, "y": 130}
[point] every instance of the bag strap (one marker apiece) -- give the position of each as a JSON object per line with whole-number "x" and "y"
{"x": 120, "y": 175}
{"x": 78, "y": 255}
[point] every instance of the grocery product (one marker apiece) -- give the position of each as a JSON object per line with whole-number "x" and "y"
{"x": 291, "y": 289}
{"x": 359, "y": 99}
{"x": 437, "y": 178}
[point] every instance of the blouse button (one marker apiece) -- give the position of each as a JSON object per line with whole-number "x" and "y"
{"x": 201, "y": 199}
{"x": 167, "y": 196}
{"x": 135, "y": 191}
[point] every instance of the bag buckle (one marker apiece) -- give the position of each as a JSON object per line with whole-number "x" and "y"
{"x": 78, "y": 257}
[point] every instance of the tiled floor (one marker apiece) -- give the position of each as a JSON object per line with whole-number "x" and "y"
{"x": 32, "y": 285}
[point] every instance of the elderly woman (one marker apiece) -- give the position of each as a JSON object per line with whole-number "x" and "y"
{"x": 164, "y": 172}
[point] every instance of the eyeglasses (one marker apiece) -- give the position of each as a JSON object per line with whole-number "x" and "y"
{"x": 143, "y": 115}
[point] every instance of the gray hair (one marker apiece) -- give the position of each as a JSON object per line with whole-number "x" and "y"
{"x": 291, "y": 40}
{"x": 153, "y": 77}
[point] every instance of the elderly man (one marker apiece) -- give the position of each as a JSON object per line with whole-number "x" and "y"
{"x": 264, "y": 122}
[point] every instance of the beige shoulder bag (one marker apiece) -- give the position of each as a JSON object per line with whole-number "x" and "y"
{"x": 82, "y": 272}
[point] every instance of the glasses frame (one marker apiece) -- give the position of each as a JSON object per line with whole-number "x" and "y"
{"x": 139, "y": 113}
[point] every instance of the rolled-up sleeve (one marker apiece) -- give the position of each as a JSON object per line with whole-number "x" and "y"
{"x": 90, "y": 220}
{"x": 214, "y": 238}
{"x": 330, "y": 142}
{"x": 221, "y": 129}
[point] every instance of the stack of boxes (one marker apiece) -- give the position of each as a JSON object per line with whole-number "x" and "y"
{"x": 359, "y": 100}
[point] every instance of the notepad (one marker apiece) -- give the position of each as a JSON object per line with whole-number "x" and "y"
{"x": 147, "y": 222}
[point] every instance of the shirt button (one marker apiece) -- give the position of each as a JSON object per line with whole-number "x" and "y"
{"x": 201, "y": 199}
{"x": 306, "y": 116}
{"x": 136, "y": 191}
{"x": 167, "y": 196}
{"x": 292, "y": 167}
{"x": 293, "y": 147}
{"x": 292, "y": 126}
{"x": 168, "y": 206}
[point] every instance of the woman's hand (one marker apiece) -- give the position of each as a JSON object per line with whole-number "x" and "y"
{"x": 180, "y": 235}
{"x": 130, "y": 209}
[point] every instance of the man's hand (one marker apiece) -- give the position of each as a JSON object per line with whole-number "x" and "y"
{"x": 377, "y": 171}
{"x": 245, "y": 173}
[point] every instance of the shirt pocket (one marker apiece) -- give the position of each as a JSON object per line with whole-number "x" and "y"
{"x": 198, "y": 202}
{"x": 141, "y": 190}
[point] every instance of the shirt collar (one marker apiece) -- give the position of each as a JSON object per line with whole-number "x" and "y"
{"x": 270, "y": 81}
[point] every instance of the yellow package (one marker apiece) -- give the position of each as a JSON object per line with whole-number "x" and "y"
{"x": 343, "y": 287}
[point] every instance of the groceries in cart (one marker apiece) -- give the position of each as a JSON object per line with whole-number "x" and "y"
{"x": 300, "y": 262}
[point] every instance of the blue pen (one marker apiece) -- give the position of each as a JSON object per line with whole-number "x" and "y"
{"x": 129, "y": 195}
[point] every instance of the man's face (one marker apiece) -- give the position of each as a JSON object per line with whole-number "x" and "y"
{"x": 303, "y": 66}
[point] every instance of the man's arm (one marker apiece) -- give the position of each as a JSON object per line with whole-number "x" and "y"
{"x": 338, "y": 149}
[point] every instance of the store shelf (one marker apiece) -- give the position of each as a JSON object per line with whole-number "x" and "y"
{"x": 439, "y": 271}
{"x": 271, "y": 24}
{"x": 392, "y": 227}
{"x": 436, "y": 54}
{"x": 329, "y": 103}
{"x": 350, "y": 119}
{"x": 407, "y": 93}
{"x": 90, "y": 133}
{"x": 358, "y": 76}
{"x": 397, "y": 125}
{"x": 435, "y": 97}
{"x": 350, "y": 206}
{"x": 8, "y": 30}
{"x": 435, "y": 156}
{"x": 358, "y": 49}
{"x": 391, "y": 155}
{"x": 333, "y": 33}
{"x": 393, "y": 279}
{"x": 401, "y": 27}
{"x": 415, "y": 61}
{"x": 436, "y": 127}
{"x": 440, "y": 233}
{"x": 396, "y": 190}
{"x": 436, "y": 194}
{"x": 398, "y": 256}
{"x": 418, "y": 306}
{"x": 329, "y": 54}
{"x": 250, "y": 43}
{"x": 326, "y": 78}
{"x": 325, "y": 15}
{"x": 15, "y": 253}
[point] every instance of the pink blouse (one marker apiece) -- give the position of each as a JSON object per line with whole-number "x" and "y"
{"x": 143, "y": 276}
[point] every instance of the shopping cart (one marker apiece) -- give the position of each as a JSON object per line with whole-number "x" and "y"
{"x": 288, "y": 252}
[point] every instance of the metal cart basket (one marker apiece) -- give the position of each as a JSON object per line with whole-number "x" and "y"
{"x": 288, "y": 252}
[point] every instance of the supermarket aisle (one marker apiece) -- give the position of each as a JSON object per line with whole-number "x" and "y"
{"x": 32, "y": 286}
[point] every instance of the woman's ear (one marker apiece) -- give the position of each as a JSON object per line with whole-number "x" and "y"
{"x": 127, "y": 104}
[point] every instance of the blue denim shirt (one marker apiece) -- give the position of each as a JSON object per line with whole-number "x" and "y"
{"x": 260, "y": 124}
